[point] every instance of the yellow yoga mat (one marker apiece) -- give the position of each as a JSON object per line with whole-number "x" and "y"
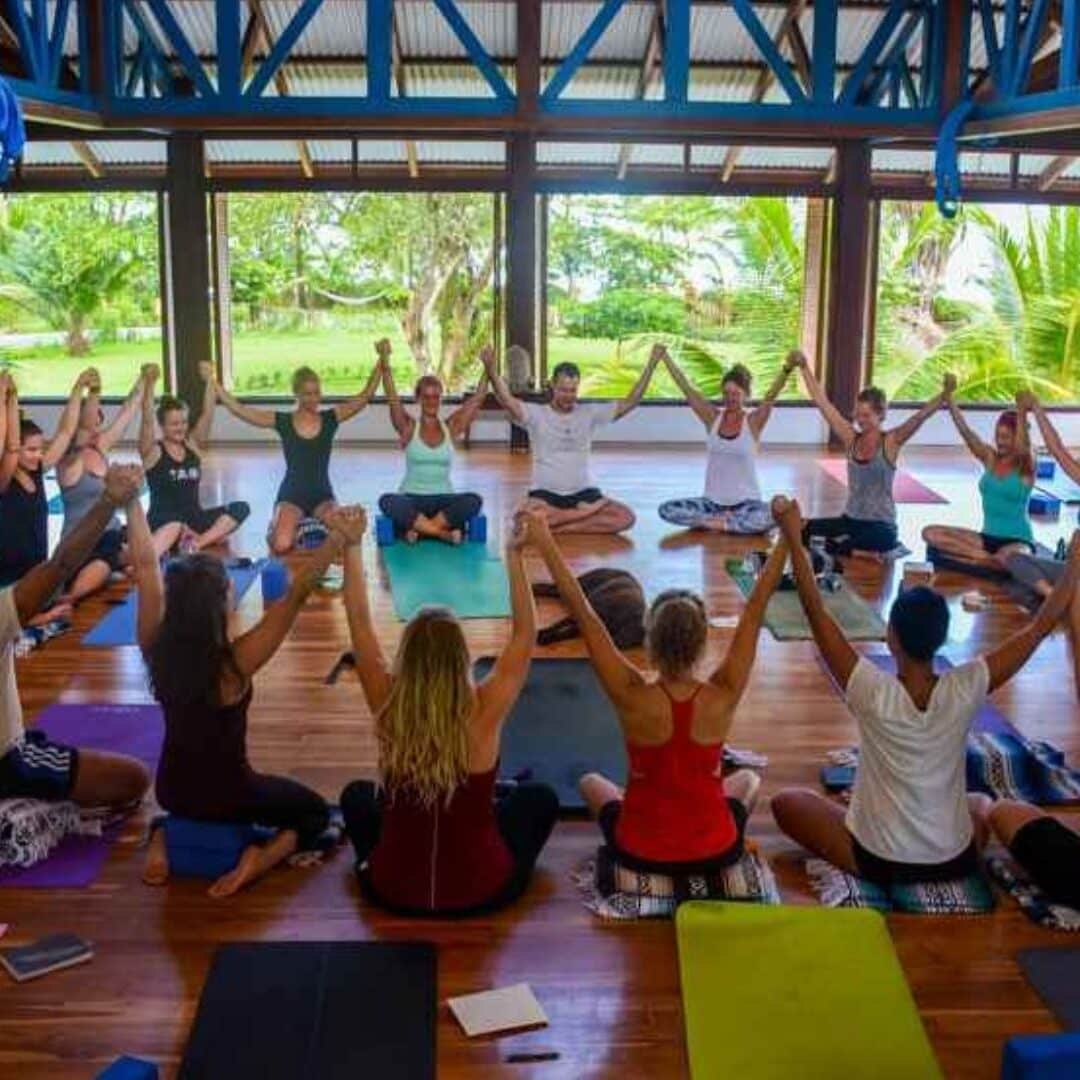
{"x": 774, "y": 993}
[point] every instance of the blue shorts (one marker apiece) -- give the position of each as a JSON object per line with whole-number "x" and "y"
{"x": 37, "y": 768}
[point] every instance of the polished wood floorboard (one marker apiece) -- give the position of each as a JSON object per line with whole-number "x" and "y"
{"x": 611, "y": 992}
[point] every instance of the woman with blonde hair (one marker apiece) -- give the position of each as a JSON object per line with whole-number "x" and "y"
{"x": 431, "y": 837}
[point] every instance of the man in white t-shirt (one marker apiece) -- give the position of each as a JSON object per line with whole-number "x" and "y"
{"x": 910, "y": 817}
{"x": 561, "y": 434}
{"x": 32, "y": 766}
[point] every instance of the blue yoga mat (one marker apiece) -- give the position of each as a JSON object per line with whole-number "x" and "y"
{"x": 1060, "y": 487}
{"x": 467, "y": 579}
{"x": 117, "y": 626}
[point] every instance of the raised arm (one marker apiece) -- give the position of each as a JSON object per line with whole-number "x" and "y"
{"x": 1010, "y": 656}
{"x": 150, "y": 610}
{"x": 760, "y": 416}
{"x": 500, "y": 689}
{"x": 621, "y": 679}
{"x": 841, "y": 427}
{"x": 979, "y": 450}
{"x": 900, "y": 434}
{"x": 114, "y": 431}
{"x": 248, "y": 413}
{"x": 703, "y": 408}
{"x": 149, "y": 450}
{"x": 1023, "y": 435}
{"x": 399, "y": 416}
{"x": 10, "y": 440}
{"x": 1054, "y": 442}
{"x": 839, "y": 656}
{"x": 514, "y": 406}
{"x": 347, "y": 409}
{"x": 200, "y": 433}
{"x": 69, "y": 419}
{"x": 633, "y": 399}
{"x": 733, "y": 673}
{"x": 459, "y": 420}
{"x": 35, "y": 589}
{"x": 255, "y": 648}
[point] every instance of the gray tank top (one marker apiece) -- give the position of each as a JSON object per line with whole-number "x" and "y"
{"x": 80, "y": 498}
{"x": 870, "y": 483}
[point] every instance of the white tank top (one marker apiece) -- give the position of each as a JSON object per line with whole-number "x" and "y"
{"x": 731, "y": 472}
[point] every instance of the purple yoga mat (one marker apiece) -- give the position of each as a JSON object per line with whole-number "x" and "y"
{"x": 136, "y": 730}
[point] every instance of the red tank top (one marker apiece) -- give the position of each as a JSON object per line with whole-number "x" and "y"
{"x": 675, "y": 809}
{"x": 443, "y": 857}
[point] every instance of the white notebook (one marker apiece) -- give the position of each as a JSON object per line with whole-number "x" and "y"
{"x": 507, "y": 1009}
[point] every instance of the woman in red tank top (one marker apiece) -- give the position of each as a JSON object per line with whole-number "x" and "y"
{"x": 432, "y": 837}
{"x": 676, "y": 813}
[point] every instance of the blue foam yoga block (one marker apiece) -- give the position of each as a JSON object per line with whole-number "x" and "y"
{"x": 207, "y": 848}
{"x": 384, "y": 531}
{"x": 130, "y": 1068}
{"x": 1045, "y": 468}
{"x": 1041, "y": 504}
{"x": 476, "y": 529}
{"x": 1041, "y": 1057}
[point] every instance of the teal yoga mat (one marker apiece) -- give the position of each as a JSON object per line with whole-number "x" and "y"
{"x": 468, "y": 579}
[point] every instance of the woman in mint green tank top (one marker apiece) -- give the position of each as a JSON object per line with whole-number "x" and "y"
{"x": 1004, "y": 487}
{"x": 426, "y": 504}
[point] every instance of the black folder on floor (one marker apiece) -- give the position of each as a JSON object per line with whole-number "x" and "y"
{"x": 316, "y": 1011}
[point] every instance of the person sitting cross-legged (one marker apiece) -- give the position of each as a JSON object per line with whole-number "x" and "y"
{"x": 910, "y": 817}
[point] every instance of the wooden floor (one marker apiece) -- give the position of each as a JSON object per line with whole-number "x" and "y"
{"x": 611, "y": 992}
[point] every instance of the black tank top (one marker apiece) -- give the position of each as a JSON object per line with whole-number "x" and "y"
{"x": 174, "y": 485}
{"x": 307, "y": 461}
{"x": 24, "y": 528}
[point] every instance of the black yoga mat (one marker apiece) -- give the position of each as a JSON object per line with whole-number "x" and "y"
{"x": 1054, "y": 975}
{"x": 323, "y": 1010}
{"x": 562, "y": 727}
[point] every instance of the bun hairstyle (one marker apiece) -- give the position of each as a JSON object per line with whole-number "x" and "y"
{"x": 1010, "y": 419}
{"x": 303, "y": 375}
{"x": 875, "y": 398}
{"x": 740, "y": 376}
{"x": 425, "y": 381}
{"x": 168, "y": 403}
{"x": 676, "y": 630}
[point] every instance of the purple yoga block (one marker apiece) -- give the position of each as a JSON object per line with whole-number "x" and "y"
{"x": 130, "y": 1068}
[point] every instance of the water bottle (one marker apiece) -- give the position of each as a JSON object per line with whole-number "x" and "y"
{"x": 274, "y": 580}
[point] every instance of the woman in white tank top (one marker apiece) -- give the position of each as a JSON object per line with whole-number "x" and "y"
{"x": 732, "y": 501}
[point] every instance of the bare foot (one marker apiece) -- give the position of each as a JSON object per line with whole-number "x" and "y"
{"x": 243, "y": 873}
{"x": 453, "y": 536}
{"x": 57, "y": 611}
{"x": 156, "y": 867}
{"x": 715, "y": 524}
{"x": 412, "y": 536}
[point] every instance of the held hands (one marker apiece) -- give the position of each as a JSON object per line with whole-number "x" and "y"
{"x": 788, "y": 516}
{"x": 1026, "y": 400}
{"x": 350, "y": 522}
{"x": 383, "y": 350}
{"x": 7, "y": 386}
{"x": 206, "y": 373}
{"x": 948, "y": 386}
{"x": 659, "y": 353}
{"x": 122, "y": 484}
{"x": 89, "y": 380}
{"x": 487, "y": 358}
{"x": 795, "y": 359}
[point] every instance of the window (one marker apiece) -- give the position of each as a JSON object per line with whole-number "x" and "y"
{"x": 720, "y": 280}
{"x": 79, "y": 286}
{"x": 317, "y": 278}
{"x": 992, "y": 296}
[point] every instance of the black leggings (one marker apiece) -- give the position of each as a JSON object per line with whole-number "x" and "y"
{"x": 525, "y": 813}
{"x": 258, "y": 799}
{"x": 403, "y": 509}
{"x": 846, "y": 534}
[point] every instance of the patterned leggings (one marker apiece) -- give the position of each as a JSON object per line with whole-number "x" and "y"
{"x": 751, "y": 516}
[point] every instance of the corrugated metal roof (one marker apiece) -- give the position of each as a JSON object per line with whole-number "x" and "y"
{"x": 326, "y": 80}
{"x": 40, "y": 153}
{"x": 1072, "y": 172}
{"x": 563, "y": 24}
{"x": 717, "y": 33}
{"x": 330, "y": 150}
{"x": 657, "y": 154}
{"x": 610, "y": 82}
{"x": 425, "y": 33}
{"x": 373, "y": 151}
{"x": 432, "y": 80}
{"x": 129, "y": 152}
{"x": 338, "y": 28}
{"x": 716, "y": 85}
{"x": 577, "y": 153}
{"x": 975, "y": 163}
{"x": 463, "y": 152}
{"x": 903, "y": 161}
{"x": 243, "y": 150}
{"x": 783, "y": 157}
{"x": 705, "y": 157}
{"x": 1034, "y": 164}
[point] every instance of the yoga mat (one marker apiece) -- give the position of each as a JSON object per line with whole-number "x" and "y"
{"x": 787, "y": 620}
{"x": 906, "y": 488}
{"x": 117, "y": 625}
{"x": 467, "y": 579}
{"x": 1060, "y": 487}
{"x": 561, "y": 727}
{"x": 1054, "y": 975}
{"x": 137, "y": 730}
{"x": 320, "y": 1010}
{"x": 807, "y": 992}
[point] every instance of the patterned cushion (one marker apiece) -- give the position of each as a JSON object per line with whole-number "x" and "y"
{"x": 961, "y": 896}
{"x": 1033, "y": 902}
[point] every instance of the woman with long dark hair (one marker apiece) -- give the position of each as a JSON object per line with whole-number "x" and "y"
{"x": 203, "y": 680}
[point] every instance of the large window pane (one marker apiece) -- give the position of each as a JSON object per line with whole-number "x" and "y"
{"x": 993, "y": 296}
{"x": 719, "y": 279}
{"x": 318, "y": 278}
{"x": 79, "y": 285}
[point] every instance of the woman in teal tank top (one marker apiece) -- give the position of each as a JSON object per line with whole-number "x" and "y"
{"x": 426, "y": 503}
{"x": 1004, "y": 487}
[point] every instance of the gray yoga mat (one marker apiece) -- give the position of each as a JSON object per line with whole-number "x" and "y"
{"x": 1054, "y": 974}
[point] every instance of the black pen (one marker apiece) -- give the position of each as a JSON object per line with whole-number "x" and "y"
{"x": 540, "y": 1055}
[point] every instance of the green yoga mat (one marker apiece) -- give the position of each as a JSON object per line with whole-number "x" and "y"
{"x": 467, "y": 579}
{"x": 780, "y": 992}
{"x": 786, "y": 619}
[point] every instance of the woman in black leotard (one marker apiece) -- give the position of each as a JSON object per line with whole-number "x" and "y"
{"x": 174, "y": 469}
{"x": 24, "y": 514}
{"x": 307, "y": 435}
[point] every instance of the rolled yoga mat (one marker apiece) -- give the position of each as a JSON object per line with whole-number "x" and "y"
{"x": 118, "y": 625}
{"x": 775, "y": 992}
{"x": 467, "y": 578}
{"x": 137, "y": 730}
{"x": 1054, "y": 974}
{"x": 787, "y": 620}
{"x": 562, "y": 727}
{"x": 316, "y": 1010}
{"x": 906, "y": 488}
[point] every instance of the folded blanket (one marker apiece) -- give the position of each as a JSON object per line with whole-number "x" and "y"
{"x": 1032, "y": 900}
{"x": 31, "y": 828}
{"x": 962, "y": 896}
{"x": 611, "y": 891}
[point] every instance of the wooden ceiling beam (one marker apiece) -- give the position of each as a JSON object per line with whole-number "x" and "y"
{"x": 647, "y": 76}
{"x": 91, "y": 162}
{"x": 1054, "y": 172}
{"x": 397, "y": 68}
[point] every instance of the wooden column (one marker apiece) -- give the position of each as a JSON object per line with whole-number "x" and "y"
{"x": 221, "y": 284}
{"x": 188, "y": 261}
{"x": 849, "y": 276}
{"x": 815, "y": 276}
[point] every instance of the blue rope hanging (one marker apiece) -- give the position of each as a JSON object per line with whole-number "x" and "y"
{"x": 12, "y": 130}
